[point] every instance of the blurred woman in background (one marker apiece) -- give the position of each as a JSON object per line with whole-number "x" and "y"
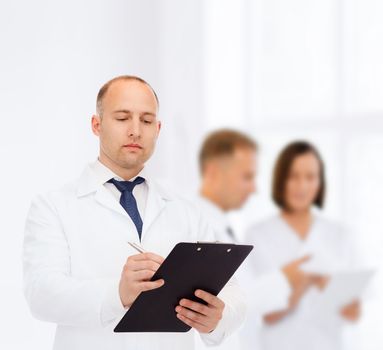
{"x": 297, "y": 236}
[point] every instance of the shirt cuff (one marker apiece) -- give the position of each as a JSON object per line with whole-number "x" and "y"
{"x": 112, "y": 307}
{"x": 216, "y": 336}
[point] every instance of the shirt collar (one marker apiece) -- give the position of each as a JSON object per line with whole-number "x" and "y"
{"x": 97, "y": 174}
{"x": 104, "y": 174}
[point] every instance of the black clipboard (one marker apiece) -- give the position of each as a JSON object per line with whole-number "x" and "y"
{"x": 189, "y": 266}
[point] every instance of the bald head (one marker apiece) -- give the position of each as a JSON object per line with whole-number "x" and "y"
{"x": 228, "y": 167}
{"x": 106, "y": 87}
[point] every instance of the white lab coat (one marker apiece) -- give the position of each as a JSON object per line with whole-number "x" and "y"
{"x": 219, "y": 223}
{"x": 74, "y": 250}
{"x": 265, "y": 293}
{"x": 217, "y": 219}
{"x": 278, "y": 245}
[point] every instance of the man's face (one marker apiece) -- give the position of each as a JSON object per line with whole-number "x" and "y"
{"x": 128, "y": 128}
{"x": 237, "y": 177}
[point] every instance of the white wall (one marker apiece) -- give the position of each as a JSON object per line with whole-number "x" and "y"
{"x": 54, "y": 58}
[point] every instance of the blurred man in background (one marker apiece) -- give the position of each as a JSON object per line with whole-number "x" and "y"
{"x": 227, "y": 162}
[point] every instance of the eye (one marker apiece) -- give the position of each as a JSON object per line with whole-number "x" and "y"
{"x": 147, "y": 118}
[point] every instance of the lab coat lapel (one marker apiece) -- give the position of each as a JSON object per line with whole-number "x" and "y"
{"x": 89, "y": 183}
{"x": 155, "y": 204}
{"x": 105, "y": 198}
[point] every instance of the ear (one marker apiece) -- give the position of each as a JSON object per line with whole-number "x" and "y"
{"x": 96, "y": 124}
{"x": 211, "y": 169}
{"x": 159, "y": 127}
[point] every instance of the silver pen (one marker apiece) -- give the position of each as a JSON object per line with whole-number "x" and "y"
{"x": 137, "y": 247}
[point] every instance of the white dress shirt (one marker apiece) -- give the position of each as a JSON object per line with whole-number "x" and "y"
{"x": 140, "y": 191}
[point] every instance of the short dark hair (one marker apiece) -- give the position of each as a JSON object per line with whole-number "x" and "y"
{"x": 223, "y": 142}
{"x": 107, "y": 85}
{"x": 282, "y": 169}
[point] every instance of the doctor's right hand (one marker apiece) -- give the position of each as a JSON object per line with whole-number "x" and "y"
{"x": 136, "y": 275}
{"x": 299, "y": 282}
{"x": 297, "y": 278}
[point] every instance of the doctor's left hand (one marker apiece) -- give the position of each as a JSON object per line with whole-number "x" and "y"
{"x": 204, "y": 318}
{"x": 351, "y": 312}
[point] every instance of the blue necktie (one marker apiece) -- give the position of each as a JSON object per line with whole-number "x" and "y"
{"x": 128, "y": 201}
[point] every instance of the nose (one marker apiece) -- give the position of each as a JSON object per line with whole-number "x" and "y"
{"x": 135, "y": 128}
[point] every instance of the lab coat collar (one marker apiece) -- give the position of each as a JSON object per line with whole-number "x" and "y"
{"x": 93, "y": 179}
{"x": 218, "y": 218}
{"x": 96, "y": 174}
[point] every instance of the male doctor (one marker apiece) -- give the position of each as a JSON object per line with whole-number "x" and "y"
{"x": 227, "y": 161}
{"x": 228, "y": 168}
{"x": 79, "y": 271}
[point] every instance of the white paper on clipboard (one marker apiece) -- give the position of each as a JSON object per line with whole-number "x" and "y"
{"x": 345, "y": 287}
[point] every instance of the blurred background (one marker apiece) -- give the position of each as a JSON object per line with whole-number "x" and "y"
{"x": 276, "y": 69}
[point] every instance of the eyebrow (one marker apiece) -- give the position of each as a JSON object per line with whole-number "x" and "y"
{"x": 122, "y": 111}
{"x": 126, "y": 111}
